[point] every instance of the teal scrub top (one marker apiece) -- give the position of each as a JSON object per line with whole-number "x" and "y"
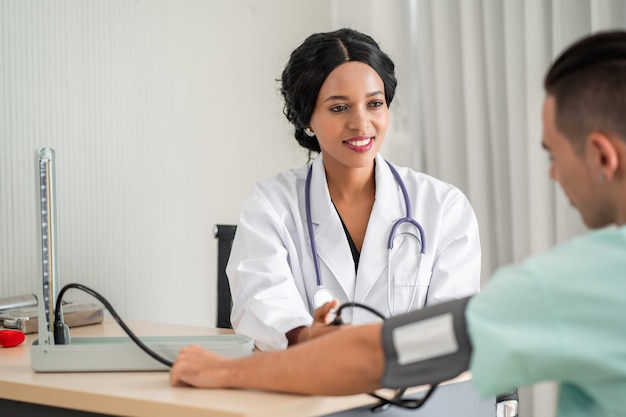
{"x": 560, "y": 316}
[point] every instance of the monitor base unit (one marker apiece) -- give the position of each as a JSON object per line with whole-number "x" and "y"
{"x": 121, "y": 354}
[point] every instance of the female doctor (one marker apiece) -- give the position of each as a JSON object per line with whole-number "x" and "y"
{"x": 349, "y": 226}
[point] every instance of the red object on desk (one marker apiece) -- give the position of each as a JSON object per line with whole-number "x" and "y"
{"x": 10, "y": 338}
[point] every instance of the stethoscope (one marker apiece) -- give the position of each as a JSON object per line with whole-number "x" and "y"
{"x": 323, "y": 295}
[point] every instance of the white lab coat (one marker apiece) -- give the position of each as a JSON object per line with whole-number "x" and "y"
{"x": 271, "y": 271}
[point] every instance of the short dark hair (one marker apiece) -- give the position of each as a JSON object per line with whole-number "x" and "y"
{"x": 310, "y": 64}
{"x": 588, "y": 83}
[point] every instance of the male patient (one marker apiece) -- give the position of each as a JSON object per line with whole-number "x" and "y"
{"x": 558, "y": 316}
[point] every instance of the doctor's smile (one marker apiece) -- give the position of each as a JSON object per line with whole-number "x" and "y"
{"x": 360, "y": 143}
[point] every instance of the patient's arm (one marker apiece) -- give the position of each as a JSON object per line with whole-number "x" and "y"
{"x": 344, "y": 362}
{"x": 425, "y": 346}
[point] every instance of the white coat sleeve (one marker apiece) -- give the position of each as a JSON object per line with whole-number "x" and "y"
{"x": 266, "y": 300}
{"x": 456, "y": 266}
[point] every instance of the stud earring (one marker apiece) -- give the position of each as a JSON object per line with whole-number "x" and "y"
{"x": 309, "y": 132}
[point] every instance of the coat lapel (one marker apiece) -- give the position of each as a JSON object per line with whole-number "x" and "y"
{"x": 331, "y": 242}
{"x": 388, "y": 207}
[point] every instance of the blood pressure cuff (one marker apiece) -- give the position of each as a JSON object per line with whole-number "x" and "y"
{"x": 426, "y": 346}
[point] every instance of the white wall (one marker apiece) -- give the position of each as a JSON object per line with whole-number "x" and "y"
{"x": 163, "y": 113}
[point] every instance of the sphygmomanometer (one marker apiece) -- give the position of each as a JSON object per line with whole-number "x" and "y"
{"x": 423, "y": 347}
{"x": 55, "y": 351}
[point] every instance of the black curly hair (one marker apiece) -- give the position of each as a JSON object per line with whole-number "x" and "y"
{"x": 310, "y": 64}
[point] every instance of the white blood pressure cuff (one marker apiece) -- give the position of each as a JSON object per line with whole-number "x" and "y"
{"x": 426, "y": 346}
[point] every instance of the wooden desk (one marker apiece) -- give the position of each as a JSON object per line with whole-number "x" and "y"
{"x": 148, "y": 394}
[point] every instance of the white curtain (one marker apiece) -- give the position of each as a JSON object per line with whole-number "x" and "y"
{"x": 480, "y": 68}
{"x": 468, "y": 111}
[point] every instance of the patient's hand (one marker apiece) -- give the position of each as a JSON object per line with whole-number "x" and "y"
{"x": 197, "y": 367}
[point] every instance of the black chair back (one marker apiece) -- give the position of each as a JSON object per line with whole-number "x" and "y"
{"x": 224, "y": 233}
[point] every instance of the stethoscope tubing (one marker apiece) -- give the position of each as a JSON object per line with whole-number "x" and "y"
{"x": 406, "y": 219}
{"x": 309, "y": 222}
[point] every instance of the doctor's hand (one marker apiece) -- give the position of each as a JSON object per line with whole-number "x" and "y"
{"x": 197, "y": 367}
{"x": 321, "y": 320}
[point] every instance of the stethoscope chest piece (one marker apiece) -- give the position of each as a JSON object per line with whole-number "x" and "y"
{"x": 321, "y": 297}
